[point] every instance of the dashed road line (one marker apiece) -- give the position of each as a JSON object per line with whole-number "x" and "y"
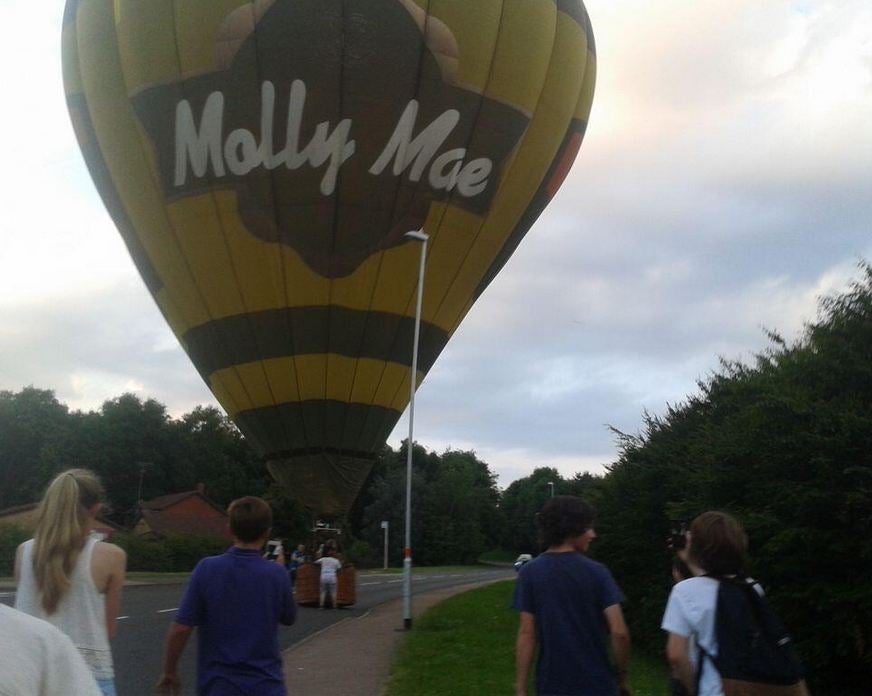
{"x": 167, "y": 611}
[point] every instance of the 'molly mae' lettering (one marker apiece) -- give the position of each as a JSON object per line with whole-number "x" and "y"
{"x": 206, "y": 149}
{"x": 311, "y": 159}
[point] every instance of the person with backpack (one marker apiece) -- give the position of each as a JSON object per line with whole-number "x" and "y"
{"x": 724, "y": 639}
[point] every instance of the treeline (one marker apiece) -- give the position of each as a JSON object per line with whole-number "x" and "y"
{"x": 783, "y": 443}
{"x": 140, "y": 452}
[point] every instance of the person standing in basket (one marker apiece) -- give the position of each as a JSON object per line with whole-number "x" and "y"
{"x": 570, "y": 608}
{"x": 69, "y": 577}
{"x": 330, "y": 566}
{"x": 236, "y": 601}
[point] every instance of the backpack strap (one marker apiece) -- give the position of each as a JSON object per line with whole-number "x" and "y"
{"x": 700, "y": 665}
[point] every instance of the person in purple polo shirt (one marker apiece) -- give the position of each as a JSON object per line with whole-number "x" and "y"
{"x": 236, "y": 600}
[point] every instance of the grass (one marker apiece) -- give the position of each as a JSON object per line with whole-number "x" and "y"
{"x": 158, "y": 578}
{"x": 426, "y": 570}
{"x": 465, "y": 647}
{"x": 498, "y": 556}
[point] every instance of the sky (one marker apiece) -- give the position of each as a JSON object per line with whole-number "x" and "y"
{"x": 724, "y": 186}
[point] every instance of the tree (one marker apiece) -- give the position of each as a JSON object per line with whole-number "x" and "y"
{"x": 454, "y": 506}
{"x": 211, "y": 450}
{"x": 521, "y": 501}
{"x": 785, "y": 444}
{"x": 34, "y": 428}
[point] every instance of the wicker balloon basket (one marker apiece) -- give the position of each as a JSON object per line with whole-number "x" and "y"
{"x": 308, "y": 586}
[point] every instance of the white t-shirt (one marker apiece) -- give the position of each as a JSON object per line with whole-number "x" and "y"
{"x": 36, "y": 659}
{"x": 690, "y": 612}
{"x": 329, "y": 567}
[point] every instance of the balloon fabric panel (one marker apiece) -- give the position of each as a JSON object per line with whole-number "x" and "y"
{"x": 263, "y": 160}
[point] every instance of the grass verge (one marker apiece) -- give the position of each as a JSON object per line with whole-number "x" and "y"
{"x": 498, "y": 556}
{"x": 426, "y": 570}
{"x": 465, "y": 647}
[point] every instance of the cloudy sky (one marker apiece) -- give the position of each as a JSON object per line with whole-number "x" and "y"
{"x": 724, "y": 185}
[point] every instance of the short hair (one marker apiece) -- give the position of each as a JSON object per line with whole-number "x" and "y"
{"x": 718, "y": 544}
{"x": 250, "y": 518}
{"x": 563, "y": 517}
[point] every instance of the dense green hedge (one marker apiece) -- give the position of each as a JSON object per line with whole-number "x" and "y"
{"x": 10, "y": 538}
{"x": 172, "y": 554}
{"x": 784, "y": 444}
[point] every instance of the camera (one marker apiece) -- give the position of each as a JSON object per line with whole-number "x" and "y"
{"x": 677, "y": 535}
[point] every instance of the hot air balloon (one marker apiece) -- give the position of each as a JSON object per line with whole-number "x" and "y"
{"x": 264, "y": 159}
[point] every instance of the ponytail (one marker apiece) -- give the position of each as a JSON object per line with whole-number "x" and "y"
{"x": 61, "y": 532}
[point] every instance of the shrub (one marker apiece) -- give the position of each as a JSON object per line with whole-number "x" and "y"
{"x": 173, "y": 554}
{"x": 360, "y": 553}
{"x": 10, "y": 537}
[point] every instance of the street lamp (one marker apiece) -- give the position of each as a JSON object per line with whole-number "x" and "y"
{"x": 385, "y": 525}
{"x": 420, "y": 236}
{"x": 142, "y": 467}
{"x": 551, "y": 483}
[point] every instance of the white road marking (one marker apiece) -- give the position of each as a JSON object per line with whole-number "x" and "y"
{"x": 167, "y": 611}
{"x": 123, "y": 617}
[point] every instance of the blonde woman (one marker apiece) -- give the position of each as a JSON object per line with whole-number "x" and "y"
{"x": 70, "y": 578}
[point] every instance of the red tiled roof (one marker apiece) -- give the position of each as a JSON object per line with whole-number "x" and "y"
{"x": 164, "y": 515}
{"x": 166, "y": 522}
{"x": 167, "y": 501}
{"x": 27, "y": 507}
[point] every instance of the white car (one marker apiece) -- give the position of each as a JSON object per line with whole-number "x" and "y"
{"x": 521, "y": 560}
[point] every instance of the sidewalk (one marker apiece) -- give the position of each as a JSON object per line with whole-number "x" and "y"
{"x": 353, "y": 657}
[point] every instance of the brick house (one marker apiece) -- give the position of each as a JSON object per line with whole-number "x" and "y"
{"x": 24, "y": 517}
{"x": 191, "y": 513}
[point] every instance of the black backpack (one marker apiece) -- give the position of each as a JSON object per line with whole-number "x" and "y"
{"x": 756, "y": 656}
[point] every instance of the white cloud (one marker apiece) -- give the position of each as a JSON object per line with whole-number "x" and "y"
{"x": 723, "y": 187}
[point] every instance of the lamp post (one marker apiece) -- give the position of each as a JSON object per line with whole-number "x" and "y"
{"x": 385, "y": 525}
{"x": 420, "y": 236}
{"x": 551, "y": 483}
{"x": 142, "y": 467}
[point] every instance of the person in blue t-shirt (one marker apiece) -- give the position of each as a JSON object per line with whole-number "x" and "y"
{"x": 236, "y": 601}
{"x": 570, "y": 606}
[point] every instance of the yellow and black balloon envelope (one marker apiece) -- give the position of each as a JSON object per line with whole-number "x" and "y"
{"x": 264, "y": 159}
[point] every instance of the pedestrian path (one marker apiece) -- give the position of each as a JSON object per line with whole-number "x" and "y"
{"x": 353, "y": 657}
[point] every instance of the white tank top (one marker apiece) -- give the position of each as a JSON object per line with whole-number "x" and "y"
{"x": 81, "y": 613}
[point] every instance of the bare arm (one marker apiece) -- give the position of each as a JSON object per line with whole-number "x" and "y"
{"x": 177, "y": 639}
{"x": 525, "y": 650}
{"x": 117, "y": 562}
{"x": 678, "y": 655}
{"x": 620, "y": 636}
{"x": 19, "y": 554}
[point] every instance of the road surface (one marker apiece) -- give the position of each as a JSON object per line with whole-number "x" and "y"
{"x": 147, "y": 611}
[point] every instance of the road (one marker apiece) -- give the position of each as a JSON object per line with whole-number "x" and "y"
{"x": 147, "y": 611}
